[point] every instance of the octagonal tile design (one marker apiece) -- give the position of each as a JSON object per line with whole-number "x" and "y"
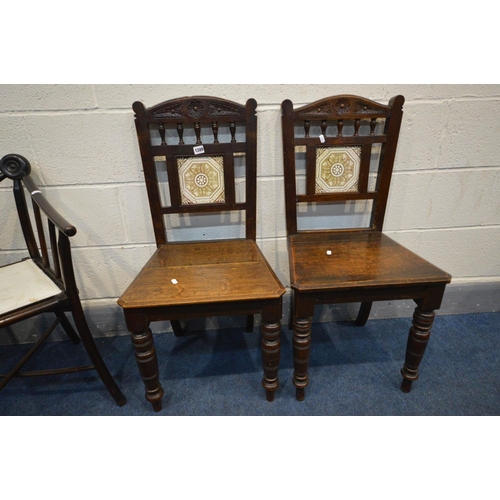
{"x": 201, "y": 179}
{"x": 337, "y": 169}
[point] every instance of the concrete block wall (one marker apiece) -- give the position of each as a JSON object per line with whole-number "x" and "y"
{"x": 81, "y": 142}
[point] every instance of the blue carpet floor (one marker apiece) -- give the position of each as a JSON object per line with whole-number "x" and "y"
{"x": 353, "y": 371}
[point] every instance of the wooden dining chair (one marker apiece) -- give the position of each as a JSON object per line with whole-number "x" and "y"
{"x": 199, "y": 156}
{"x": 341, "y": 150}
{"x": 44, "y": 281}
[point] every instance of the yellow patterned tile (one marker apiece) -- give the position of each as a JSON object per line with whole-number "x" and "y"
{"x": 201, "y": 179}
{"x": 337, "y": 169}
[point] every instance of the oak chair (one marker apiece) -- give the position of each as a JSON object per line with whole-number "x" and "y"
{"x": 192, "y": 149}
{"x": 341, "y": 150}
{"x": 44, "y": 281}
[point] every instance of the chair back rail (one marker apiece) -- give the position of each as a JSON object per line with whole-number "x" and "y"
{"x": 55, "y": 258}
{"x": 356, "y": 123}
{"x": 200, "y": 171}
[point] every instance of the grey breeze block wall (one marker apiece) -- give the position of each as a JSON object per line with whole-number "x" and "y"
{"x": 81, "y": 142}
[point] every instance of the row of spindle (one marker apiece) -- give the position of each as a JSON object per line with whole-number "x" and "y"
{"x": 197, "y": 131}
{"x": 340, "y": 126}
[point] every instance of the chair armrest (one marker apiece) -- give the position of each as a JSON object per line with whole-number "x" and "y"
{"x": 51, "y": 213}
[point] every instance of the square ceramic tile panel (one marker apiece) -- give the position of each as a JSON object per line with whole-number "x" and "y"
{"x": 337, "y": 169}
{"x": 201, "y": 179}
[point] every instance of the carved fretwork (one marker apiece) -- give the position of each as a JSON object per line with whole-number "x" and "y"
{"x": 342, "y": 106}
{"x": 199, "y": 109}
{"x": 172, "y": 111}
{"x": 195, "y": 109}
{"x": 324, "y": 109}
{"x": 362, "y": 108}
{"x": 217, "y": 109}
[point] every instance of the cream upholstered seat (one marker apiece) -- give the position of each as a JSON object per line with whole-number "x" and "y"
{"x": 23, "y": 284}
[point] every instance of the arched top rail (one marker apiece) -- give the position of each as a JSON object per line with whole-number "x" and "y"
{"x": 344, "y": 107}
{"x": 195, "y": 109}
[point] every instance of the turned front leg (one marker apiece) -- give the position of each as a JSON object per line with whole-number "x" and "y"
{"x": 145, "y": 355}
{"x": 270, "y": 346}
{"x": 301, "y": 342}
{"x": 415, "y": 348}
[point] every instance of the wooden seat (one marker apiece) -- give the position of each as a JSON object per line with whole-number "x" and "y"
{"x": 217, "y": 271}
{"x": 44, "y": 281}
{"x": 205, "y": 277}
{"x": 340, "y": 150}
{"x": 351, "y": 260}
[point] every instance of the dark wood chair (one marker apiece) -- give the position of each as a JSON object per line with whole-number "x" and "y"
{"x": 44, "y": 282}
{"x": 198, "y": 143}
{"x": 341, "y": 150}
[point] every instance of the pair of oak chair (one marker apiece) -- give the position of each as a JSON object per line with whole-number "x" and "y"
{"x": 199, "y": 156}
{"x": 336, "y": 150}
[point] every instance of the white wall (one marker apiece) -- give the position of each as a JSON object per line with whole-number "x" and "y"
{"x": 81, "y": 142}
